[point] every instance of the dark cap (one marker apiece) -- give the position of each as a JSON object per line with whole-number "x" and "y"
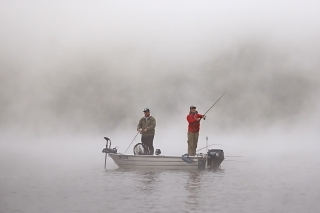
{"x": 193, "y": 107}
{"x": 146, "y": 110}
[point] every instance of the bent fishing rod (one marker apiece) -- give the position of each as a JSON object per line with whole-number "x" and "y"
{"x": 214, "y": 103}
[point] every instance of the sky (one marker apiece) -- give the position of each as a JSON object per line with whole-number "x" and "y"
{"x": 74, "y": 71}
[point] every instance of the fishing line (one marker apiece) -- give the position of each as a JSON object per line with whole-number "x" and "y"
{"x": 131, "y": 142}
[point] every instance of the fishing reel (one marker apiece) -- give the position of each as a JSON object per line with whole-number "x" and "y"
{"x": 108, "y": 148}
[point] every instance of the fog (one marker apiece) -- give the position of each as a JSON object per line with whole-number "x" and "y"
{"x": 73, "y": 72}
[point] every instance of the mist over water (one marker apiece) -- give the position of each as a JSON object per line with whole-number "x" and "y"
{"x": 65, "y": 68}
{"x": 73, "y": 72}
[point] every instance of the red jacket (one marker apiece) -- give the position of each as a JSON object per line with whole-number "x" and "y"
{"x": 194, "y": 125}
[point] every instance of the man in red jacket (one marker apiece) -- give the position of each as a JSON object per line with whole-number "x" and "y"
{"x": 193, "y": 130}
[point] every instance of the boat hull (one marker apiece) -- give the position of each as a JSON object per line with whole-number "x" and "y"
{"x": 152, "y": 162}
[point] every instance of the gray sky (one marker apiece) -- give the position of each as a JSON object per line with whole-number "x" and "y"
{"x": 90, "y": 67}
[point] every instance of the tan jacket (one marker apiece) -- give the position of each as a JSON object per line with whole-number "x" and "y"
{"x": 148, "y": 123}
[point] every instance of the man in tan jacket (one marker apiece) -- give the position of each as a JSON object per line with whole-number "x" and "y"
{"x": 146, "y": 127}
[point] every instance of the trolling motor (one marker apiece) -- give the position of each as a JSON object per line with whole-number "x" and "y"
{"x": 108, "y": 148}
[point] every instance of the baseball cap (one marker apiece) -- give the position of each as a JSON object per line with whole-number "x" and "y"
{"x": 193, "y": 107}
{"x": 146, "y": 110}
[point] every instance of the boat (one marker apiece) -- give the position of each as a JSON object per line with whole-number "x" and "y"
{"x": 153, "y": 162}
{"x": 141, "y": 159}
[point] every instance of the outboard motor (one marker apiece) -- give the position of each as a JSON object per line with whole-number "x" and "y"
{"x": 140, "y": 149}
{"x": 215, "y": 157}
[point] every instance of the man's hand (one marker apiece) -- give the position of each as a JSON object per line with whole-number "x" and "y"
{"x": 145, "y": 130}
{"x": 198, "y": 119}
{"x": 139, "y": 130}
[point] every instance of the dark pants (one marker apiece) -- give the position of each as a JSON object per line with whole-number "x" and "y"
{"x": 148, "y": 141}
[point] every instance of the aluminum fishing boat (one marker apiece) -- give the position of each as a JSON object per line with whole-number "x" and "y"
{"x": 142, "y": 160}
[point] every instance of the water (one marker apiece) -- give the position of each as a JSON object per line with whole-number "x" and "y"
{"x": 280, "y": 183}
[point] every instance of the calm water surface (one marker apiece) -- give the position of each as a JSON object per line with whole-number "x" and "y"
{"x": 278, "y": 184}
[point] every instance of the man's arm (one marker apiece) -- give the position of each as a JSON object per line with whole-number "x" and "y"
{"x": 191, "y": 119}
{"x": 139, "y": 125}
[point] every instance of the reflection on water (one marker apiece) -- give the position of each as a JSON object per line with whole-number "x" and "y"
{"x": 147, "y": 181}
{"x": 199, "y": 188}
{"x": 241, "y": 187}
{"x": 193, "y": 188}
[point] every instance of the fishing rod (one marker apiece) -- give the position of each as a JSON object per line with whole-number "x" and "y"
{"x": 208, "y": 146}
{"x": 131, "y": 142}
{"x": 214, "y": 103}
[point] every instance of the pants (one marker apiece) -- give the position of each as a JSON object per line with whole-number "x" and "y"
{"x": 192, "y": 143}
{"x": 148, "y": 141}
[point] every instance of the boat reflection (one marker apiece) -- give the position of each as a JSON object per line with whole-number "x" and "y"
{"x": 147, "y": 180}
